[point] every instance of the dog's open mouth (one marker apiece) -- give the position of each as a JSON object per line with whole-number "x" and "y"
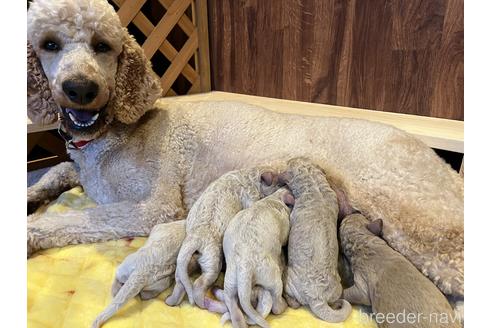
{"x": 82, "y": 119}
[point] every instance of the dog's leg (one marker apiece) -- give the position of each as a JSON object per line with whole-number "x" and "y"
{"x": 356, "y": 295}
{"x": 235, "y": 314}
{"x": 291, "y": 301}
{"x": 275, "y": 286}
{"x": 154, "y": 289}
{"x": 278, "y": 303}
{"x": 179, "y": 290}
{"x": 101, "y": 223}
{"x": 264, "y": 302}
{"x": 115, "y": 287}
{"x": 123, "y": 271}
{"x": 290, "y": 293}
{"x": 211, "y": 264}
{"x": 58, "y": 179}
{"x": 177, "y": 295}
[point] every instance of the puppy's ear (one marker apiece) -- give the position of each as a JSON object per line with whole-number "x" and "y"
{"x": 288, "y": 199}
{"x": 267, "y": 178}
{"x": 376, "y": 227}
{"x": 137, "y": 87}
{"x": 41, "y": 107}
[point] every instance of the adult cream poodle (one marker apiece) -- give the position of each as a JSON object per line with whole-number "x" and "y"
{"x": 145, "y": 163}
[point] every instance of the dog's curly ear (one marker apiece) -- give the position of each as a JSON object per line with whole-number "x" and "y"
{"x": 41, "y": 107}
{"x": 137, "y": 87}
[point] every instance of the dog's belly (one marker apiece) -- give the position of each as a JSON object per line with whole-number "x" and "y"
{"x": 376, "y": 162}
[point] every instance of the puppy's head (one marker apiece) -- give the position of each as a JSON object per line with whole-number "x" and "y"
{"x": 84, "y": 67}
{"x": 296, "y": 167}
{"x": 269, "y": 182}
{"x": 284, "y": 195}
{"x": 356, "y": 225}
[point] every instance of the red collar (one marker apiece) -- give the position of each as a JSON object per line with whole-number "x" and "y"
{"x": 69, "y": 142}
{"x": 80, "y": 144}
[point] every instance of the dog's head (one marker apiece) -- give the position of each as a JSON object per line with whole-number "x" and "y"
{"x": 83, "y": 65}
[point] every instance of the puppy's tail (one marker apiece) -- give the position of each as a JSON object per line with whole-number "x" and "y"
{"x": 325, "y": 312}
{"x": 135, "y": 283}
{"x": 189, "y": 247}
{"x": 245, "y": 285}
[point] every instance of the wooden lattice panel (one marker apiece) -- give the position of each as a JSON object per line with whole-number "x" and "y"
{"x": 191, "y": 60}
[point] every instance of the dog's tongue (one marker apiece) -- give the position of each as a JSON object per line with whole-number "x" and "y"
{"x": 81, "y": 115}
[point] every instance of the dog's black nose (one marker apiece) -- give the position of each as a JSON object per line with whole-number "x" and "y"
{"x": 80, "y": 91}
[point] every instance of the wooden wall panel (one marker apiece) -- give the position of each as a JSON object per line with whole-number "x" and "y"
{"x": 390, "y": 55}
{"x": 174, "y": 36}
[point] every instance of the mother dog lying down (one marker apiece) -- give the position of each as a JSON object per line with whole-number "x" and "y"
{"x": 145, "y": 163}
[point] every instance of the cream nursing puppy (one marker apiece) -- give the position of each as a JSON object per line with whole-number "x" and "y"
{"x": 206, "y": 224}
{"x": 253, "y": 252}
{"x": 312, "y": 277}
{"x": 148, "y": 271}
{"x": 388, "y": 282}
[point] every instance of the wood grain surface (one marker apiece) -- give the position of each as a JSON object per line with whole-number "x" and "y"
{"x": 401, "y": 56}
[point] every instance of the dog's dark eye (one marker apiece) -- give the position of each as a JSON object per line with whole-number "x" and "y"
{"x": 51, "y": 46}
{"x": 102, "y": 47}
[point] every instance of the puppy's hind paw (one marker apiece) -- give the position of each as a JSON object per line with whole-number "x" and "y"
{"x": 177, "y": 296}
{"x": 214, "y": 306}
{"x": 225, "y": 317}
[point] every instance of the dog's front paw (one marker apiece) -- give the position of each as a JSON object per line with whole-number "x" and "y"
{"x": 34, "y": 201}
{"x": 33, "y": 237}
{"x": 31, "y": 248}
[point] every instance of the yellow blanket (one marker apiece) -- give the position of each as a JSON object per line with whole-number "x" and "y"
{"x": 69, "y": 286}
